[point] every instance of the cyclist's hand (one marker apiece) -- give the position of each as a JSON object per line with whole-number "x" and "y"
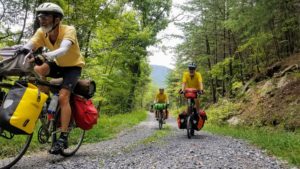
{"x": 200, "y": 92}
{"x": 181, "y": 91}
{"x": 39, "y": 59}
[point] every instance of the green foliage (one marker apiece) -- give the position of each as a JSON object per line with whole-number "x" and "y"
{"x": 217, "y": 69}
{"x": 237, "y": 85}
{"x": 234, "y": 40}
{"x": 222, "y": 111}
{"x": 113, "y": 37}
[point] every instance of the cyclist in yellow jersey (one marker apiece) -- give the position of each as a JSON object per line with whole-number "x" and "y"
{"x": 193, "y": 79}
{"x": 162, "y": 97}
{"x": 63, "y": 60}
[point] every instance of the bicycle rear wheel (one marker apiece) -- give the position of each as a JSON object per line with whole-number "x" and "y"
{"x": 75, "y": 140}
{"x": 12, "y": 150}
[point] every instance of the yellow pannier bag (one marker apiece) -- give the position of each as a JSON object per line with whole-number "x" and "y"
{"x": 21, "y": 109}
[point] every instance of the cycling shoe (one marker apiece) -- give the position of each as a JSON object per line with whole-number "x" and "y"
{"x": 59, "y": 146}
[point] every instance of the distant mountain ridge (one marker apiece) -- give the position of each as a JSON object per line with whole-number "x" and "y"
{"x": 159, "y": 75}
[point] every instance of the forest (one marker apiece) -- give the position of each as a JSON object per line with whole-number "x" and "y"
{"x": 113, "y": 37}
{"x": 235, "y": 41}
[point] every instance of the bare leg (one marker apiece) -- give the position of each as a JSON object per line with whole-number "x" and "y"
{"x": 197, "y": 101}
{"x": 43, "y": 70}
{"x": 64, "y": 102}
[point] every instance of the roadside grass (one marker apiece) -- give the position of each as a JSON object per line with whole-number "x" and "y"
{"x": 106, "y": 128}
{"x": 109, "y": 126}
{"x": 154, "y": 138}
{"x": 285, "y": 145}
{"x": 158, "y": 134}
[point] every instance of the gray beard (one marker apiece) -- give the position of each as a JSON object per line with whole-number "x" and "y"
{"x": 46, "y": 29}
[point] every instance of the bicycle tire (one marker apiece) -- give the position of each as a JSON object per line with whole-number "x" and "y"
{"x": 160, "y": 121}
{"x": 192, "y": 132}
{"x": 8, "y": 162}
{"x": 188, "y": 127}
{"x": 75, "y": 140}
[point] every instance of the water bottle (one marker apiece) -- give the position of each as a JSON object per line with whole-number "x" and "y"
{"x": 52, "y": 106}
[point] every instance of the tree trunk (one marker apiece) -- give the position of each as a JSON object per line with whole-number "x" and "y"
{"x": 230, "y": 63}
{"x": 213, "y": 87}
{"x": 24, "y": 23}
{"x": 275, "y": 41}
{"x": 240, "y": 58}
{"x": 224, "y": 57}
{"x": 86, "y": 51}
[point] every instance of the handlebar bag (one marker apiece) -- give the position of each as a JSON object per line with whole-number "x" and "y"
{"x": 160, "y": 106}
{"x": 21, "y": 109}
{"x": 12, "y": 64}
{"x": 190, "y": 93}
{"x": 84, "y": 112}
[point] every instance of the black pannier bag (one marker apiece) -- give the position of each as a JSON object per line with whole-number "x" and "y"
{"x": 13, "y": 64}
{"x": 85, "y": 88}
{"x": 181, "y": 120}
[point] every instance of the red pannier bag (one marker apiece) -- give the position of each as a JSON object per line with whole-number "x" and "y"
{"x": 201, "y": 120}
{"x": 181, "y": 120}
{"x": 84, "y": 112}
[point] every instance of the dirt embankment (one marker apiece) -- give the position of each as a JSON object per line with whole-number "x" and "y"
{"x": 275, "y": 99}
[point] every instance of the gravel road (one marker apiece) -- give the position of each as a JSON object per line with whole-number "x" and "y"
{"x": 204, "y": 150}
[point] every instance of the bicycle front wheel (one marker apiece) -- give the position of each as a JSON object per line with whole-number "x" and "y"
{"x": 189, "y": 127}
{"x": 75, "y": 140}
{"x": 12, "y": 150}
{"x": 160, "y": 121}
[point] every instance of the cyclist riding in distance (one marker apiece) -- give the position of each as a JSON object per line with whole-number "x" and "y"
{"x": 161, "y": 97}
{"x": 63, "y": 60}
{"x": 193, "y": 79}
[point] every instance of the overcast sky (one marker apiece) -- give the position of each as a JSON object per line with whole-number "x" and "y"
{"x": 158, "y": 56}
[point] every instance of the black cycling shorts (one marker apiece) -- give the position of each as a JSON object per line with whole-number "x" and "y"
{"x": 70, "y": 75}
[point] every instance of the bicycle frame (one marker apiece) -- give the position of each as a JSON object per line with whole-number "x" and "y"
{"x": 191, "y": 104}
{"x": 191, "y": 95}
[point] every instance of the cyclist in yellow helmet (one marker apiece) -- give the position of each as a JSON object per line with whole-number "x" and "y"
{"x": 193, "y": 79}
{"x": 162, "y": 97}
{"x": 63, "y": 60}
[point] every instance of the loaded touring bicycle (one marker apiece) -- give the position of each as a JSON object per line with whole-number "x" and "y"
{"x": 24, "y": 109}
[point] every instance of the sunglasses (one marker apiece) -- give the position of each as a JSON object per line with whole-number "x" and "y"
{"x": 44, "y": 15}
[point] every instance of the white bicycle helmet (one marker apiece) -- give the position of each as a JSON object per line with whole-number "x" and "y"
{"x": 192, "y": 65}
{"x": 50, "y": 8}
